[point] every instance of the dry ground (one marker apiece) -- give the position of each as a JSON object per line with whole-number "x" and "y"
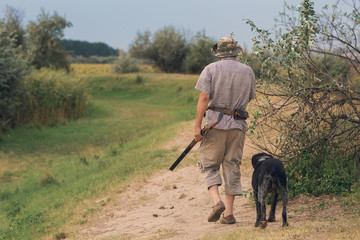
{"x": 175, "y": 205}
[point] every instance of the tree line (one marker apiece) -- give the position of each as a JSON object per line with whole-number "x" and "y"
{"x": 87, "y": 49}
{"x": 168, "y": 50}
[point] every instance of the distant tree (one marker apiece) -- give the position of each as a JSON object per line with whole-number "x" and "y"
{"x": 167, "y": 49}
{"x": 44, "y": 41}
{"x": 87, "y": 49}
{"x": 199, "y": 54}
{"x": 13, "y": 24}
{"x": 142, "y": 46}
{"x": 13, "y": 67}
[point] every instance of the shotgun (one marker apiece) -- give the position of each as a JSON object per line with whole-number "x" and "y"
{"x": 193, "y": 142}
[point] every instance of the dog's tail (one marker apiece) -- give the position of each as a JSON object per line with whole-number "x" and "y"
{"x": 278, "y": 174}
{"x": 273, "y": 171}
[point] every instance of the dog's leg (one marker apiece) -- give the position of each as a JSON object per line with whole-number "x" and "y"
{"x": 262, "y": 196}
{"x": 274, "y": 197}
{"x": 258, "y": 214}
{"x": 284, "y": 199}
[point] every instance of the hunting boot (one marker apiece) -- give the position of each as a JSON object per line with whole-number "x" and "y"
{"x": 230, "y": 219}
{"x": 216, "y": 213}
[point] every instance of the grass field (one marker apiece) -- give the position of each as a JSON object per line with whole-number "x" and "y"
{"x": 47, "y": 172}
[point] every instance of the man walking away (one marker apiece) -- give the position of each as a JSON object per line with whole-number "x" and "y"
{"x": 228, "y": 86}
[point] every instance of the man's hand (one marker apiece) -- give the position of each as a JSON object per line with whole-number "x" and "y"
{"x": 198, "y": 136}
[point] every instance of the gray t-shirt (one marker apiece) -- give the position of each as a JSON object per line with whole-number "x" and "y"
{"x": 231, "y": 85}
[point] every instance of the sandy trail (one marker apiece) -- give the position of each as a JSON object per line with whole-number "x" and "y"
{"x": 171, "y": 205}
{"x": 175, "y": 205}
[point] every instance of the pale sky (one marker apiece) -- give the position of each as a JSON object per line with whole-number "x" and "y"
{"x": 116, "y": 22}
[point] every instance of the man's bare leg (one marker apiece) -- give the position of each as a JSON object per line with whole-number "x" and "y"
{"x": 219, "y": 206}
{"x": 229, "y": 203}
{"x": 214, "y": 193}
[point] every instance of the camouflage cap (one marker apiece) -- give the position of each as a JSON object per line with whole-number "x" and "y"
{"x": 226, "y": 47}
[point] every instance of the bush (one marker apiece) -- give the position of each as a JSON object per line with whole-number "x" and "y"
{"x": 321, "y": 171}
{"x": 52, "y": 97}
{"x": 305, "y": 101}
{"x": 125, "y": 64}
{"x": 12, "y": 70}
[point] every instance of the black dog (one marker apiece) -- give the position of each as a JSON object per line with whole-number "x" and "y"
{"x": 268, "y": 177}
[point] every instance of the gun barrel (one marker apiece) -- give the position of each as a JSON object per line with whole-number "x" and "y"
{"x": 183, "y": 154}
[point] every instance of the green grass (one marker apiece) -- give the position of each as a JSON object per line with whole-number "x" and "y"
{"x": 48, "y": 173}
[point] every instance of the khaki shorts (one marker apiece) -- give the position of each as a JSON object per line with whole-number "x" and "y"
{"x": 222, "y": 148}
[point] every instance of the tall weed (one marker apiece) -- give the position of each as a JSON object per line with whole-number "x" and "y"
{"x": 52, "y": 97}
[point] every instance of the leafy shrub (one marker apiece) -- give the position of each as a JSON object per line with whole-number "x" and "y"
{"x": 305, "y": 99}
{"x": 52, "y": 97}
{"x": 321, "y": 171}
{"x": 12, "y": 70}
{"x": 125, "y": 64}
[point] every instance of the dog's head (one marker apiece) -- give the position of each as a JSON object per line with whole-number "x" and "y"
{"x": 258, "y": 158}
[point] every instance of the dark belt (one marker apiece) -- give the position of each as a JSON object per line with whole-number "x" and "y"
{"x": 238, "y": 114}
{"x": 226, "y": 111}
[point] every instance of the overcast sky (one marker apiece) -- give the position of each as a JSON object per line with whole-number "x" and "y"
{"x": 116, "y": 22}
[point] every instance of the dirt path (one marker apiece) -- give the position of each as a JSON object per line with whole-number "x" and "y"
{"x": 171, "y": 205}
{"x": 175, "y": 205}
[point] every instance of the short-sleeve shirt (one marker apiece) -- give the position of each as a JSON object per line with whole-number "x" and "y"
{"x": 231, "y": 85}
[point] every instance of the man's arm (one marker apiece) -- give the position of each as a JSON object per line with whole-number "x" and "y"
{"x": 200, "y": 110}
